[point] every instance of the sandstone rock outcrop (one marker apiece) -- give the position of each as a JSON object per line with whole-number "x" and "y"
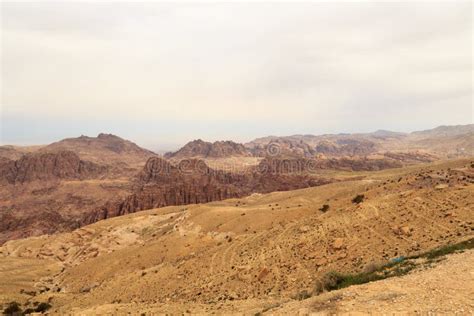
{"x": 48, "y": 166}
{"x": 202, "y": 149}
{"x": 346, "y": 147}
{"x": 192, "y": 181}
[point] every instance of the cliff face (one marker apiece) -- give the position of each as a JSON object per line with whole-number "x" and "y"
{"x": 192, "y": 181}
{"x": 346, "y": 147}
{"x": 48, "y": 166}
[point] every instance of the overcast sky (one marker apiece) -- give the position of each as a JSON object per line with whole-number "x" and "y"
{"x": 162, "y": 74}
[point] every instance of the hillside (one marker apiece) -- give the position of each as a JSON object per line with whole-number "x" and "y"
{"x": 445, "y": 288}
{"x": 239, "y": 255}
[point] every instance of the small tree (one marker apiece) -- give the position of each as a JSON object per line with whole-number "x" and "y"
{"x": 359, "y": 198}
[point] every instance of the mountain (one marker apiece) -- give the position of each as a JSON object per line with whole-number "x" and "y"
{"x": 105, "y": 148}
{"x": 440, "y": 142}
{"x": 447, "y": 141}
{"x": 201, "y": 149}
{"x": 444, "y": 131}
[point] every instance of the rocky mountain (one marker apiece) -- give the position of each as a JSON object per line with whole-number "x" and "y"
{"x": 280, "y": 147}
{"x": 441, "y": 142}
{"x": 346, "y": 147}
{"x": 105, "y": 148}
{"x": 49, "y": 192}
{"x": 192, "y": 181}
{"x": 201, "y": 149}
{"x": 45, "y": 166}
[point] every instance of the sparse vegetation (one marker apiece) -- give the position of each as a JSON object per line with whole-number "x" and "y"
{"x": 396, "y": 267}
{"x": 446, "y": 250}
{"x": 42, "y": 307}
{"x": 359, "y": 198}
{"x": 302, "y": 295}
{"x": 13, "y": 308}
{"x": 324, "y": 208}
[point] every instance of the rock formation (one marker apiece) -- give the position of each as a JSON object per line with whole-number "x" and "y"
{"x": 202, "y": 149}
{"x": 48, "y": 166}
{"x": 192, "y": 181}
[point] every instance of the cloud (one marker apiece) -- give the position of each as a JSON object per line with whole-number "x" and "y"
{"x": 309, "y": 67}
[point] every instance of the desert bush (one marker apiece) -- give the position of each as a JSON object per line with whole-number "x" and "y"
{"x": 13, "y": 308}
{"x": 302, "y": 295}
{"x": 372, "y": 267}
{"x": 359, "y": 198}
{"x": 324, "y": 208}
{"x": 328, "y": 282}
{"x": 42, "y": 307}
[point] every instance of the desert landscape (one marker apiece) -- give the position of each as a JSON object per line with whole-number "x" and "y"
{"x": 236, "y": 158}
{"x": 87, "y": 232}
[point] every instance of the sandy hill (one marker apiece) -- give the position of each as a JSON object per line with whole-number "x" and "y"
{"x": 105, "y": 148}
{"x": 239, "y": 255}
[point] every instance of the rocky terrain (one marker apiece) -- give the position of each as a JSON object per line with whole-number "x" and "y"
{"x": 77, "y": 181}
{"x": 201, "y": 149}
{"x": 443, "y": 142}
{"x": 232, "y": 229}
{"x": 46, "y": 166}
{"x": 161, "y": 183}
{"x": 48, "y": 192}
{"x": 255, "y": 254}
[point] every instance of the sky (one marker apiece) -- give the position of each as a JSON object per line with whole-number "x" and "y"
{"x": 162, "y": 74}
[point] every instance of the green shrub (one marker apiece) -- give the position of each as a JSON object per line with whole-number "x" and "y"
{"x": 446, "y": 250}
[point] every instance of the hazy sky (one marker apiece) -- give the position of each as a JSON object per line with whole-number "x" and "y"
{"x": 161, "y": 74}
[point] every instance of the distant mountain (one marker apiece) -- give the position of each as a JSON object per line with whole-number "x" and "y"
{"x": 442, "y": 141}
{"x": 105, "y": 148}
{"x": 449, "y": 141}
{"x": 201, "y": 149}
{"x": 445, "y": 131}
